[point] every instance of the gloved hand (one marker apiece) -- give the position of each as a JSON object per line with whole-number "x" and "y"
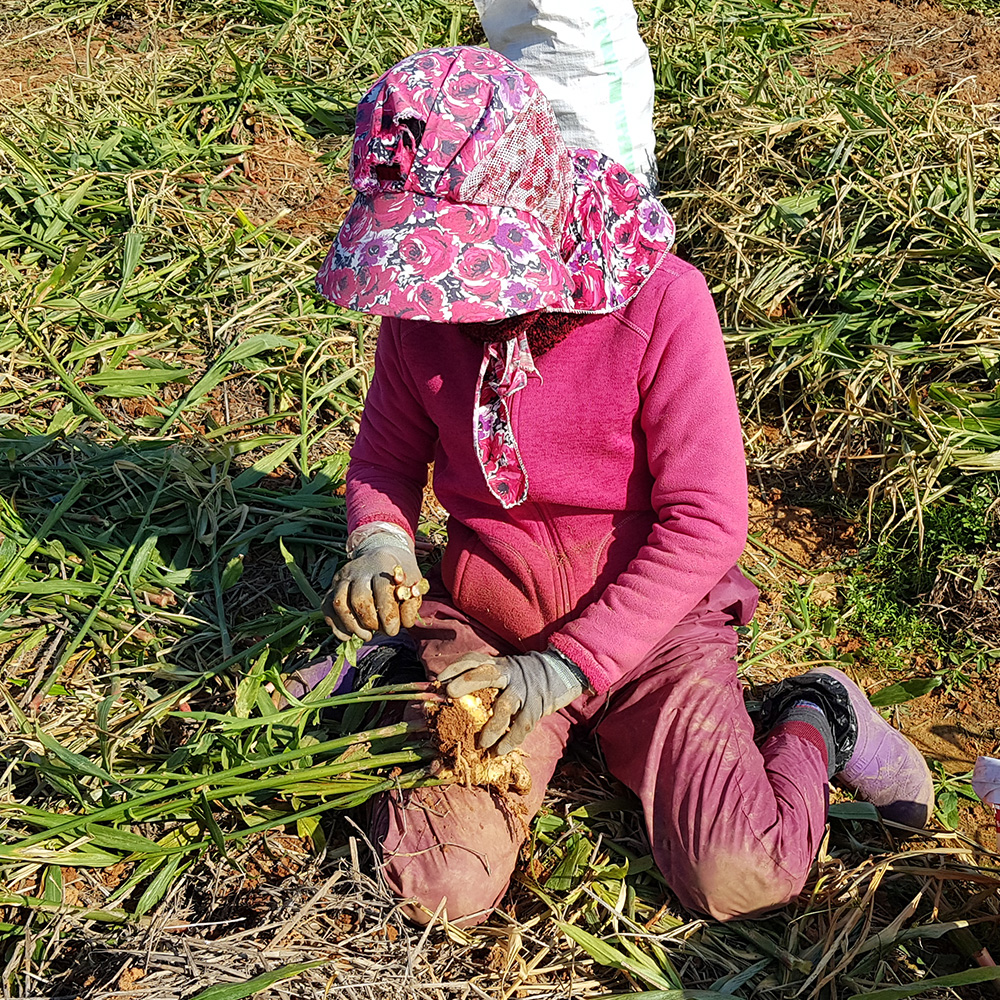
{"x": 362, "y": 598}
{"x": 531, "y": 685}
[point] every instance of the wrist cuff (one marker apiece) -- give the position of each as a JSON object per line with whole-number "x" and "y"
{"x": 569, "y": 667}
{"x": 375, "y": 535}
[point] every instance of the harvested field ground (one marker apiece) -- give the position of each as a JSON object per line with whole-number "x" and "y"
{"x": 928, "y": 48}
{"x": 139, "y": 631}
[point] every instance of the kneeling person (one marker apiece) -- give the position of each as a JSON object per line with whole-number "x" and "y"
{"x": 566, "y": 375}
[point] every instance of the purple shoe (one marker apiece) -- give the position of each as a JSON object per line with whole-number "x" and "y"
{"x": 379, "y": 656}
{"x": 885, "y": 768}
{"x": 303, "y": 680}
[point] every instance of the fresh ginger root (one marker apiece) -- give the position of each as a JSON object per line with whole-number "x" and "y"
{"x": 405, "y": 591}
{"x": 478, "y": 712}
{"x": 455, "y": 726}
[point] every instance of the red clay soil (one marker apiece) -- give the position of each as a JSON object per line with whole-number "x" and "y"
{"x": 955, "y": 728}
{"x": 278, "y": 176}
{"x": 804, "y": 537}
{"x": 34, "y": 55}
{"x": 928, "y": 48}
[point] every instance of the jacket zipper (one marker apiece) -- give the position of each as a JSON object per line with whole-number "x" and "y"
{"x": 553, "y": 544}
{"x": 555, "y": 549}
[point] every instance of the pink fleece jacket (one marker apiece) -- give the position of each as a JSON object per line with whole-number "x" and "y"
{"x": 637, "y": 495}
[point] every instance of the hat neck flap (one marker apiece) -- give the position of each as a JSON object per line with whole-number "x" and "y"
{"x": 616, "y": 234}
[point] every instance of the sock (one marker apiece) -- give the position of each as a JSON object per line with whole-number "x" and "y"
{"x": 808, "y": 713}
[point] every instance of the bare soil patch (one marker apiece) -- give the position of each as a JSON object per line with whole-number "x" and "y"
{"x": 955, "y": 727}
{"x": 795, "y": 536}
{"x": 926, "y": 47}
{"x": 281, "y": 177}
{"x": 34, "y": 55}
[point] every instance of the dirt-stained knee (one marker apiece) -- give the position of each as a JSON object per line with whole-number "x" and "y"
{"x": 728, "y": 885}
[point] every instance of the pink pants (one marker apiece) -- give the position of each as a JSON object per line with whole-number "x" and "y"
{"x": 734, "y": 827}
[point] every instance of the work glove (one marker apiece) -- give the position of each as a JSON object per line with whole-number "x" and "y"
{"x": 531, "y": 686}
{"x": 368, "y": 593}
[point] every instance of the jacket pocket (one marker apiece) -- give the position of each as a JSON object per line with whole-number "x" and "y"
{"x": 495, "y": 582}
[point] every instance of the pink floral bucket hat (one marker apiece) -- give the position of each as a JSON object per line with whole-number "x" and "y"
{"x": 470, "y": 208}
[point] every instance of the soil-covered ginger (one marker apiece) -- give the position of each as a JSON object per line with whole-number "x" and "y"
{"x": 454, "y": 725}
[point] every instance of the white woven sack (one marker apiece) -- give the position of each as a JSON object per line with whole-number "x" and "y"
{"x": 591, "y": 64}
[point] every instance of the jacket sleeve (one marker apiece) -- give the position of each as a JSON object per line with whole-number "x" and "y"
{"x": 694, "y": 447}
{"x": 395, "y": 444}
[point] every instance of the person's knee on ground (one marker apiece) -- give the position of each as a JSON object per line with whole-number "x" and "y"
{"x": 733, "y": 829}
{"x": 864, "y": 753}
{"x": 450, "y": 850}
{"x": 457, "y": 844}
{"x": 728, "y": 883}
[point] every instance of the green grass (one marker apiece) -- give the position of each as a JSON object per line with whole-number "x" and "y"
{"x": 980, "y": 6}
{"x": 177, "y": 402}
{"x": 850, "y": 232}
{"x": 900, "y": 606}
{"x": 889, "y": 582}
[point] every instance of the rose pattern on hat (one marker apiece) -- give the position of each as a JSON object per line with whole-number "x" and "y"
{"x": 523, "y": 276}
{"x": 616, "y": 234}
{"x": 471, "y": 209}
{"x": 461, "y": 141}
{"x": 465, "y": 98}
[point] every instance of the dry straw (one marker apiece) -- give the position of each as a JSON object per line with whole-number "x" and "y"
{"x": 175, "y": 405}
